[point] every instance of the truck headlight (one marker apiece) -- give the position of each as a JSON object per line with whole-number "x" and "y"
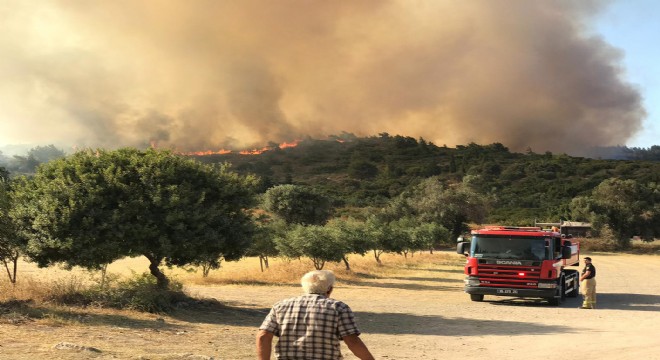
{"x": 547, "y": 285}
{"x": 472, "y": 282}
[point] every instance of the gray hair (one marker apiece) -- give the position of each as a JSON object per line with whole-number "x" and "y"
{"x": 318, "y": 281}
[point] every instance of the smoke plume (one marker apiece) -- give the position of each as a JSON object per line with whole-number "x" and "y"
{"x": 206, "y": 74}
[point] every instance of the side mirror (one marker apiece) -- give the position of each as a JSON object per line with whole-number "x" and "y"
{"x": 566, "y": 252}
{"x": 462, "y": 248}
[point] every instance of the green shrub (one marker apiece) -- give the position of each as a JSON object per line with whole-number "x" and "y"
{"x": 139, "y": 292}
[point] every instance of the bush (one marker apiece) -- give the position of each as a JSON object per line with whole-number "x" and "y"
{"x": 598, "y": 244}
{"x": 138, "y": 292}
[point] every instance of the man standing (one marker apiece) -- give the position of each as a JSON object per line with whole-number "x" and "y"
{"x": 588, "y": 279}
{"x": 310, "y": 326}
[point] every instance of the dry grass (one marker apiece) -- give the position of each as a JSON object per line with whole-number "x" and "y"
{"x": 644, "y": 247}
{"x": 607, "y": 245}
{"x": 45, "y": 295}
{"x": 282, "y": 271}
{"x": 44, "y": 285}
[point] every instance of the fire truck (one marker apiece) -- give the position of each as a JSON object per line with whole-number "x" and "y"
{"x": 526, "y": 262}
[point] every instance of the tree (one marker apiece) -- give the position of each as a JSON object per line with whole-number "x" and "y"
{"x": 34, "y": 157}
{"x": 297, "y": 204}
{"x": 625, "y": 207}
{"x": 362, "y": 169}
{"x": 386, "y": 238}
{"x": 428, "y": 236}
{"x": 451, "y": 207}
{"x": 98, "y": 206}
{"x": 401, "y": 234}
{"x": 316, "y": 242}
{"x": 263, "y": 244}
{"x": 10, "y": 245}
{"x": 353, "y": 234}
{"x": 44, "y": 154}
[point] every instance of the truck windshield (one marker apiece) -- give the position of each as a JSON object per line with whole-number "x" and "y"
{"x": 508, "y": 247}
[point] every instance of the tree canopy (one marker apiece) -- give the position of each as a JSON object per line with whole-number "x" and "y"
{"x": 625, "y": 207}
{"x": 95, "y": 207}
{"x": 9, "y": 242}
{"x": 297, "y": 204}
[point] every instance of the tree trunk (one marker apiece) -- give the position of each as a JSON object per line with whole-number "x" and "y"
{"x": 104, "y": 273}
{"x": 12, "y": 273}
{"x": 348, "y": 267}
{"x": 318, "y": 264}
{"x": 377, "y": 256}
{"x": 261, "y": 263}
{"x": 161, "y": 280}
{"x": 206, "y": 269}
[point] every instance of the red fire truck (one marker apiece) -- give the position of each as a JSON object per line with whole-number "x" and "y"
{"x": 527, "y": 262}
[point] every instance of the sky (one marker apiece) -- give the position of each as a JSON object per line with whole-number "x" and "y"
{"x": 562, "y": 76}
{"x": 634, "y": 27}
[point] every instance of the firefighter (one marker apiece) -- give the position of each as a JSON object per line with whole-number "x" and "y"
{"x": 588, "y": 280}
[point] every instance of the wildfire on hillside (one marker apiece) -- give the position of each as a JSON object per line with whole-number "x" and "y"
{"x": 207, "y": 152}
{"x": 283, "y": 145}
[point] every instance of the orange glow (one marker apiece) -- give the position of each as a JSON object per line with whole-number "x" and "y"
{"x": 294, "y": 143}
{"x": 255, "y": 151}
{"x": 283, "y": 145}
{"x": 207, "y": 152}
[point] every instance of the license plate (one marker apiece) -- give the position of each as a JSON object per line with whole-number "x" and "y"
{"x": 507, "y": 291}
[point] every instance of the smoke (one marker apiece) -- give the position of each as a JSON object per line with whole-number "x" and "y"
{"x": 196, "y": 75}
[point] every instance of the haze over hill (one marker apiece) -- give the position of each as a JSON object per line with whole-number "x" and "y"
{"x": 210, "y": 75}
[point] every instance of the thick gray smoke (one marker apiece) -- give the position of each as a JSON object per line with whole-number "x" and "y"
{"x": 197, "y": 75}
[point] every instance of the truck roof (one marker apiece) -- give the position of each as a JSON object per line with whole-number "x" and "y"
{"x": 515, "y": 231}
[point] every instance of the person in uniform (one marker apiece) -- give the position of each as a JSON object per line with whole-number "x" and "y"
{"x": 588, "y": 280}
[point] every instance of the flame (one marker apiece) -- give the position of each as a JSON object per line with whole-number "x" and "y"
{"x": 255, "y": 151}
{"x": 283, "y": 145}
{"x": 207, "y": 152}
{"x": 294, "y": 143}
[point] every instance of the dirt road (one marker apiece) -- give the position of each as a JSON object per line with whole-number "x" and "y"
{"x": 415, "y": 314}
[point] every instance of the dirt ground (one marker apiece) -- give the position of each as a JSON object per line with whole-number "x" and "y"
{"x": 415, "y": 314}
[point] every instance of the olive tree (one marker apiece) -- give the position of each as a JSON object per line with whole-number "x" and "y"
{"x": 450, "y": 206}
{"x": 10, "y": 244}
{"x": 297, "y": 204}
{"x": 624, "y": 207}
{"x": 387, "y": 237}
{"x": 95, "y": 207}
{"x": 263, "y": 244}
{"x": 353, "y": 234}
{"x": 319, "y": 243}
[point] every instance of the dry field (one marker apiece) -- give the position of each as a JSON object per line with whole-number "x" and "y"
{"x": 407, "y": 309}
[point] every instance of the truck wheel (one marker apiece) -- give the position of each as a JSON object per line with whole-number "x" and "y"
{"x": 477, "y": 297}
{"x": 559, "y": 297}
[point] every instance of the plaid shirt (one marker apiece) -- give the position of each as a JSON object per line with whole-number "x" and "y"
{"x": 310, "y": 327}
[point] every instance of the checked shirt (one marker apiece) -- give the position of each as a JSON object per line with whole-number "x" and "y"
{"x": 310, "y": 327}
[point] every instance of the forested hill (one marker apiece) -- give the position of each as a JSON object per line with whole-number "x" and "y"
{"x": 362, "y": 172}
